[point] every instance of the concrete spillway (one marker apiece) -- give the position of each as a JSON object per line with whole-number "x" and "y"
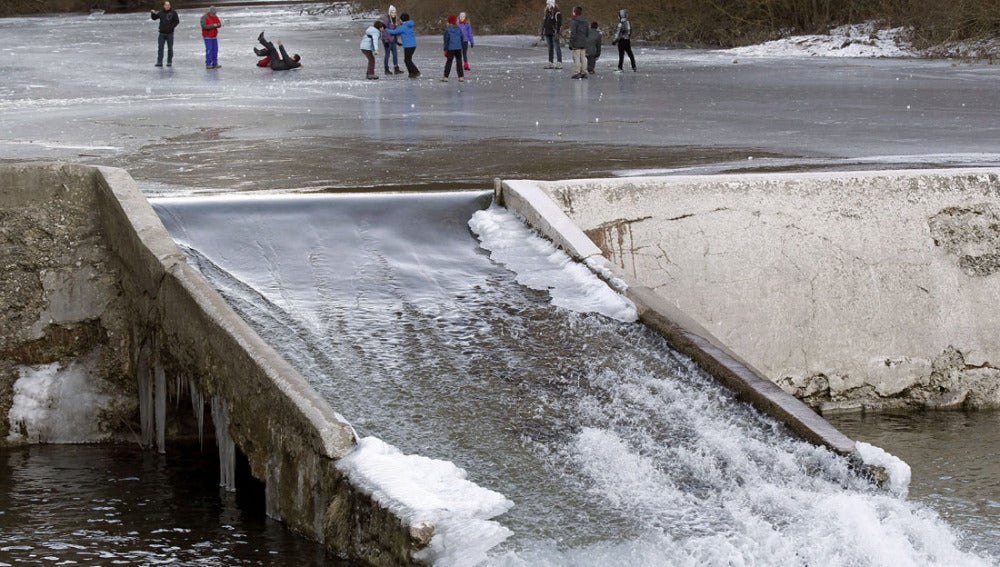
{"x": 583, "y": 438}
{"x": 609, "y": 445}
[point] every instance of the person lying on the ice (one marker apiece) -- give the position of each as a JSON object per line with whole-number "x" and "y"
{"x": 277, "y": 58}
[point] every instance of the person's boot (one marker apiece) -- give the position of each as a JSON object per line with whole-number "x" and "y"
{"x": 466, "y": 65}
{"x": 387, "y": 71}
{"x": 396, "y": 70}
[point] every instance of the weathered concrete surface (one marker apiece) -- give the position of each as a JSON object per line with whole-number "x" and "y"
{"x": 59, "y": 297}
{"x": 95, "y": 269}
{"x": 872, "y": 290}
{"x": 684, "y": 334}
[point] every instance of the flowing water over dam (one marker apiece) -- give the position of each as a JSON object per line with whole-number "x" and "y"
{"x": 611, "y": 447}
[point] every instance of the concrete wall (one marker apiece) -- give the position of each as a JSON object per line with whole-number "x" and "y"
{"x": 873, "y": 290}
{"x": 95, "y": 276}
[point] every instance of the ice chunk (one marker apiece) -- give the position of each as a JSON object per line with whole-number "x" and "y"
{"x": 897, "y": 469}
{"x": 54, "y": 404}
{"x": 421, "y": 490}
{"x": 540, "y": 265}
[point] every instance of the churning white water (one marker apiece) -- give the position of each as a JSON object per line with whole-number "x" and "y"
{"x": 612, "y": 448}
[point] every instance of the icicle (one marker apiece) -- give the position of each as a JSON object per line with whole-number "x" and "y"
{"x": 145, "y": 396}
{"x": 227, "y": 447}
{"x": 198, "y": 405}
{"x": 178, "y": 390}
{"x": 160, "y": 393}
{"x": 271, "y": 499}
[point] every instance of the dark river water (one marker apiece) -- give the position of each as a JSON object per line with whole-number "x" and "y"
{"x": 120, "y": 505}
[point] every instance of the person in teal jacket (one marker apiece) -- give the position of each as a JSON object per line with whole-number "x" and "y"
{"x": 408, "y": 36}
{"x": 453, "y": 48}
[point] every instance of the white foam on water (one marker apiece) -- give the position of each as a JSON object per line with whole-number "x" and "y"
{"x": 541, "y": 266}
{"x": 796, "y": 520}
{"x": 56, "y": 404}
{"x": 421, "y": 490}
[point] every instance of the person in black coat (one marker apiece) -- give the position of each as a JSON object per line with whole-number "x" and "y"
{"x": 280, "y": 61}
{"x": 168, "y": 21}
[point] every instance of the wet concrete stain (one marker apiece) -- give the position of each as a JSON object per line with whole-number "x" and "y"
{"x": 972, "y": 234}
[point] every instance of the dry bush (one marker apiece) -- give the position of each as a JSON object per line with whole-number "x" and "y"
{"x": 23, "y": 7}
{"x": 691, "y": 22}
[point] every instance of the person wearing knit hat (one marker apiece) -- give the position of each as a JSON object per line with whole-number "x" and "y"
{"x": 408, "y": 37}
{"x": 391, "y": 21}
{"x": 453, "y": 49}
{"x": 210, "y": 24}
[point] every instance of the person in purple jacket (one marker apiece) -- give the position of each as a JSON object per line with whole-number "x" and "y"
{"x": 408, "y": 37}
{"x": 467, "y": 40}
{"x": 390, "y": 22}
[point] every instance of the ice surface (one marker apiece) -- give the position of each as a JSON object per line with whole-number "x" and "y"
{"x": 421, "y": 490}
{"x": 57, "y": 404}
{"x": 541, "y": 266}
{"x": 90, "y": 94}
{"x": 896, "y": 468}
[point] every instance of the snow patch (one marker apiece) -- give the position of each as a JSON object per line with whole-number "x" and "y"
{"x": 55, "y": 404}
{"x": 896, "y": 468}
{"x": 541, "y": 266}
{"x": 858, "y": 40}
{"x": 424, "y": 491}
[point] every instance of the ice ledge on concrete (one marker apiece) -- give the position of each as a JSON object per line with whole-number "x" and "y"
{"x": 683, "y": 333}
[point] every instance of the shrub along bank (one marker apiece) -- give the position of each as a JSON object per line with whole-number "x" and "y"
{"x": 722, "y": 23}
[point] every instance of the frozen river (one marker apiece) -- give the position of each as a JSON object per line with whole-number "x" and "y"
{"x": 83, "y": 88}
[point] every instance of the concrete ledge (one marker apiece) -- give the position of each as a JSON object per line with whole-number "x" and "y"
{"x": 682, "y": 332}
{"x": 173, "y": 333}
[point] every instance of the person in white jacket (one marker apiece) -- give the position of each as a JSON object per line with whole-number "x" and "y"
{"x": 369, "y": 46}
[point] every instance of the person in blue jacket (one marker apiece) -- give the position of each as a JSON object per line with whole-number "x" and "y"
{"x": 408, "y": 36}
{"x": 453, "y": 48}
{"x": 369, "y": 46}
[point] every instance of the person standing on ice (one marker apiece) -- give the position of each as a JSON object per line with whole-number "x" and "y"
{"x": 408, "y": 36}
{"x": 551, "y": 27}
{"x": 593, "y": 47}
{"x": 579, "y": 29}
{"x": 369, "y": 47}
{"x": 210, "y": 24}
{"x": 453, "y": 49}
{"x": 168, "y": 21}
{"x": 623, "y": 39}
{"x": 467, "y": 40}
{"x": 390, "y": 22}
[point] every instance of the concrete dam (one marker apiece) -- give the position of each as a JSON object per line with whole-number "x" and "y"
{"x": 437, "y": 383}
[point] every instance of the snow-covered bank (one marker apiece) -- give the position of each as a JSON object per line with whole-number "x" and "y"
{"x": 868, "y": 40}
{"x": 858, "y": 40}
